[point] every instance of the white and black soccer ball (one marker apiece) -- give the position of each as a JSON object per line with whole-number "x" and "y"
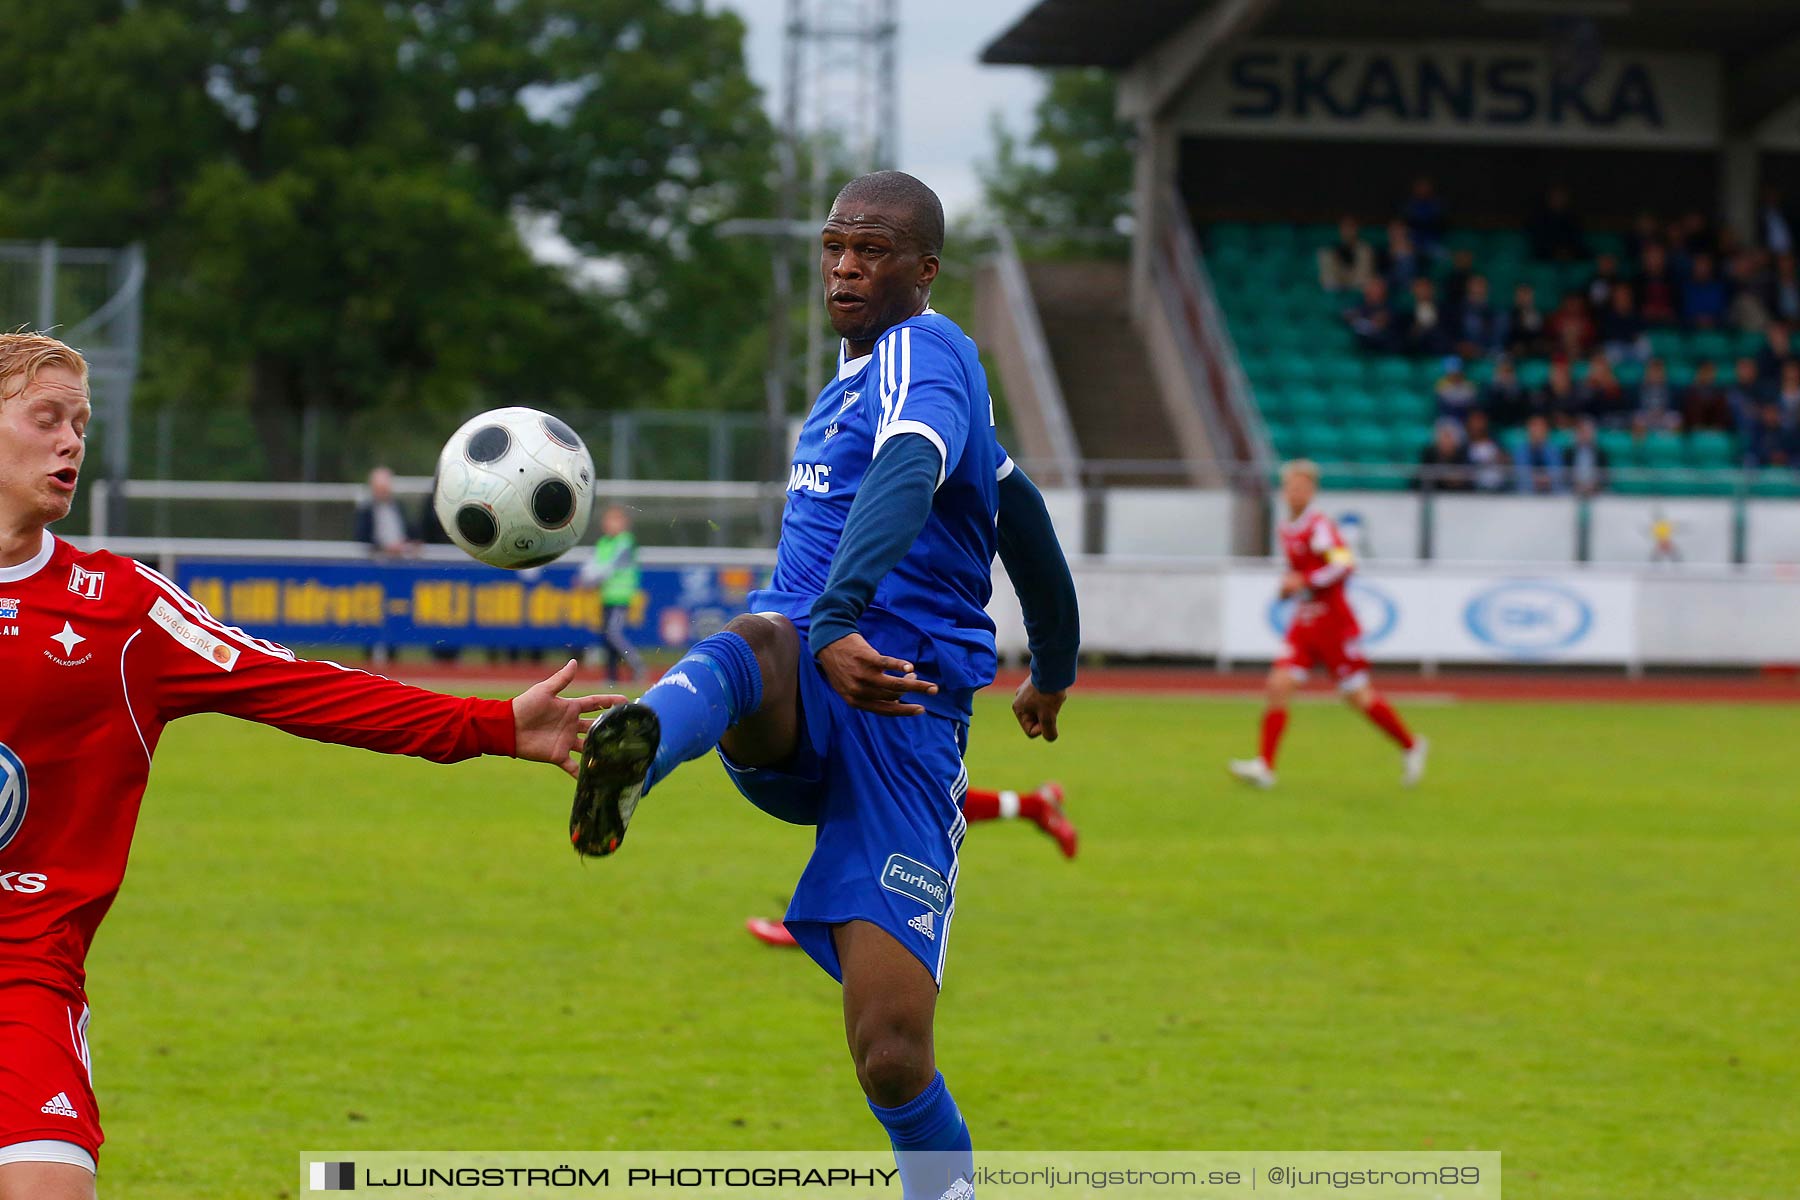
{"x": 515, "y": 488}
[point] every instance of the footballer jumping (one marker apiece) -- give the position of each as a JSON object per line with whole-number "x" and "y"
{"x": 842, "y": 701}
{"x": 98, "y": 654}
{"x": 1323, "y": 631}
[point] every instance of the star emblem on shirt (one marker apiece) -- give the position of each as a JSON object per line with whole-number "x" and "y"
{"x": 68, "y": 639}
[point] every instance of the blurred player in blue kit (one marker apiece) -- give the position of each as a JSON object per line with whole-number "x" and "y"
{"x": 842, "y": 700}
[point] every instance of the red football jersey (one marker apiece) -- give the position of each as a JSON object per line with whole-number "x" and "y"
{"x": 97, "y": 654}
{"x": 1316, "y": 549}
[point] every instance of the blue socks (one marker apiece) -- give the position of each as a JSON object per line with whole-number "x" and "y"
{"x": 931, "y": 1143}
{"x": 715, "y": 686}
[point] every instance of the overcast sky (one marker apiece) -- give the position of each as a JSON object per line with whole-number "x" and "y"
{"x": 946, "y": 96}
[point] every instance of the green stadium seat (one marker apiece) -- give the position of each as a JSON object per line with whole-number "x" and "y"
{"x": 1681, "y": 372}
{"x": 1667, "y": 343}
{"x": 1323, "y": 443}
{"x": 1368, "y": 442}
{"x": 1620, "y": 447}
{"x": 1630, "y": 372}
{"x": 1747, "y": 344}
{"x": 1355, "y": 404}
{"x": 1711, "y": 448}
{"x": 1392, "y": 370}
{"x": 1711, "y": 344}
{"x": 1299, "y": 368}
{"x": 1308, "y": 404}
{"x": 1230, "y": 233}
{"x": 1775, "y": 483}
{"x": 1408, "y": 441}
{"x": 1409, "y": 404}
{"x": 1661, "y": 449}
{"x": 1284, "y": 436}
{"x": 1689, "y": 481}
{"x": 1534, "y": 372}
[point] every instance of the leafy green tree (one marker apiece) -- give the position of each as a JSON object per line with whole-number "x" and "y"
{"x": 331, "y": 193}
{"x": 1073, "y": 171}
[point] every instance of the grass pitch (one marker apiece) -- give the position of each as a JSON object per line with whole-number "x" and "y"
{"x": 1578, "y": 944}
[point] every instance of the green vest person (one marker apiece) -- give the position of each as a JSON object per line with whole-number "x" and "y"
{"x": 615, "y": 569}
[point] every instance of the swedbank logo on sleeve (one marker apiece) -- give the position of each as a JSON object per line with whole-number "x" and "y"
{"x": 201, "y": 641}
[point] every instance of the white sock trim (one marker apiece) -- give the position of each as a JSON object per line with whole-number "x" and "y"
{"x": 1009, "y": 805}
{"x": 50, "y": 1152}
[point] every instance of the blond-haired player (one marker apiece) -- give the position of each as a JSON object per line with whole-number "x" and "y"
{"x": 98, "y": 653}
{"x": 1323, "y": 632}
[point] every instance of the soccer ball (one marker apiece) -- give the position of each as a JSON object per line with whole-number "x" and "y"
{"x": 514, "y": 488}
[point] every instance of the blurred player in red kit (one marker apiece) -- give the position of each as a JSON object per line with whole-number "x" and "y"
{"x": 98, "y": 653}
{"x": 1323, "y": 633}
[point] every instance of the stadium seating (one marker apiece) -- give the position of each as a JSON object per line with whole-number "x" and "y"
{"x": 1323, "y": 397}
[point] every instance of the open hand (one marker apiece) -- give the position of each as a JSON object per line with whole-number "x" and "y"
{"x": 548, "y": 727}
{"x": 870, "y": 680}
{"x": 1037, "y": 710}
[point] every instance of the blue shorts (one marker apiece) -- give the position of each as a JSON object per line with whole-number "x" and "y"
{"x": 886, "y": 795}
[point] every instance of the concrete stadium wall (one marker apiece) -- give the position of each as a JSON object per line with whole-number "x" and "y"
{"x": 1441, "y": 613}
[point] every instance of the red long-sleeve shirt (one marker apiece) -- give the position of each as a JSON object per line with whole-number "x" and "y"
{"x": 97, "y": 654}
{"x": 1316, "y": 550}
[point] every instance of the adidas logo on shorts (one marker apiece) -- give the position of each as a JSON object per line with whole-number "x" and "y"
{"x": 923, "y": 924}
{"x": 59, "y": 1106}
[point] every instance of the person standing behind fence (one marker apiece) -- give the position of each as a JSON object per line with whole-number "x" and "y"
{"x": 615, "y": 571}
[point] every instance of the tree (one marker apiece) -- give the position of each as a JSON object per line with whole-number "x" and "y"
{"x": 331, "y": 190}
{"x": 1074, "y": 170}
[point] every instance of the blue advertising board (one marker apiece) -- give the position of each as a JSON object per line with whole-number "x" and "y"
{"x": 458, "y": 603}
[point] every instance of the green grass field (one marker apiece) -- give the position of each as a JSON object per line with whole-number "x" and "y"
{"x": 1578, "y": 944}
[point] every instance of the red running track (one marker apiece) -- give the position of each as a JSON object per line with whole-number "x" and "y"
{"x": 1775, "y": 685}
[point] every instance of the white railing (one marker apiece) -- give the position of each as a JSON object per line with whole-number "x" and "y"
{"x": 1040, "y": 369}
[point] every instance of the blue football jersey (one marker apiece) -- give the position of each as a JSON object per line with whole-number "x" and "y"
{"x": 924, "y": 378}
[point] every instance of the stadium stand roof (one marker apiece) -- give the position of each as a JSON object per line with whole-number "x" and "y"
{"x": 1761, "y": 40}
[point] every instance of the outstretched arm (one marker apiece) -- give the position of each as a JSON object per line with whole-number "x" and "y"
{"x": 1034, "y": 560}
{"x": 891, "y": 507}
{"x": 199, "y": 664}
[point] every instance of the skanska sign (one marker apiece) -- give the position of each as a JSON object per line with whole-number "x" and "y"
{"x": 1495, "y": 92}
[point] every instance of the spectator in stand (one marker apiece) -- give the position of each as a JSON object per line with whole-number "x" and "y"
{"x": 1645, "y": 233}
{"x": 1455, "y": 393}
{"x": 1705, "y": 298}
{"x": 1538, "y": 465}
{"x": 1558, "y": 400}
{"x": 1426, "y": 331}
{"x": 1777, "y": 349}
{"x": 1503, "y": 399}
{"x": 1659, "y": 296}
{"x": 1347, "y": 264}
{"x": 1603, "y": 396}
{"x": 1745, "y": 396}
{"x": 1454, "y": 288}
{"x": 1656, "y": 403}
{"x": 1586, "y": 461}
{"x": 1782, "y": 293}
{"x": 1487, "y": 461}
{"x": 1774, "y": 228}
{"x": 1772, "y": 443}
{"x": 1787, "y": 393}
{"x": 1476, "y": 327}
{"x": 1600, "y": 288}
{"x": 1621, "y": 331}
{"x": 1554, "y": 229}
{"x": 1372, "y": 320}
{"x": 1694, "y": 235}
{"x": 1525, "y": 335}
{"x": 1570, "y": 329}
{"x": 1749, "y": 281}
{"x": 1706, "y": 406}
{"x": 381, "y": 523}
{"x": 1400, "y": 262}
{"x": 1444, "y": 465}
{"x": 1423, "y": 213}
